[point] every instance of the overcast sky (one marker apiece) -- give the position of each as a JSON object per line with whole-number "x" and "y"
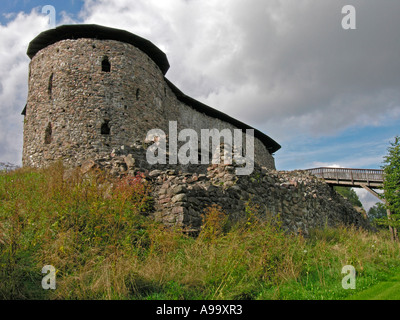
{"x": 329, "y": 96}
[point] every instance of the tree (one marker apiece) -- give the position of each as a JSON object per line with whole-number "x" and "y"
{"x": 376, "y": 213}
{"x": 349, "y": 194}
{"x": 391, "y": 186}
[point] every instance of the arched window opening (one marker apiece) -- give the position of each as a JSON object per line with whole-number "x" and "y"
{"x": 48, "y": 134}
{"x": 105, "y": 65}
{"x": 105, "y": 128}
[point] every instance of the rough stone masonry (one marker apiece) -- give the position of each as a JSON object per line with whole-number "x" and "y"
{"x": 94, "y": 93}
{"x": 181, "y": 193}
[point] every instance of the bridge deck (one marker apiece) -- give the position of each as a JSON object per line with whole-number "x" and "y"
{"x": 372, "y": 178}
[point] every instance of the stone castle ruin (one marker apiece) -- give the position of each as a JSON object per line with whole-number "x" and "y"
{"x": 95, "y": 92}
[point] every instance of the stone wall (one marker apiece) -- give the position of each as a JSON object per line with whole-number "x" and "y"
{"x": 91, "y": 103}
{"x": 71, "y": 99}
{"x": 181, "y": 193}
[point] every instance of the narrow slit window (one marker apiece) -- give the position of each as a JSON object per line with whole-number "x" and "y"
{"x": 48, "y": 134}
{"x": 137, "y": 94}
{"x": 50, "y": 85}
{"x": 105, "y": 65}
{"x": 105, "y": 128}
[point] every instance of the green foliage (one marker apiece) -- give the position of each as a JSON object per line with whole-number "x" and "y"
{"x": 95, "y": 231}
{"x": 252, "y": 212}
{"x": 376, "y": 213}
{"x": 45, "y": 219}
{"x": 391, "y": 184}
{"x": 349, "y": 194}
{"x": 214, "y": 220}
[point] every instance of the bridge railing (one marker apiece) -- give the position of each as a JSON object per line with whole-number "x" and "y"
{"x": 348, "y": 174}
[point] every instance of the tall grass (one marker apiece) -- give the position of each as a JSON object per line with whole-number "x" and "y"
{"x": 95, "y": 231}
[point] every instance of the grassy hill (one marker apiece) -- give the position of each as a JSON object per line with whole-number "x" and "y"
{"x": 96, "y": 232}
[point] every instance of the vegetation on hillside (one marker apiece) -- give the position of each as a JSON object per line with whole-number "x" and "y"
{"x": 96, "y": 232}
{"x": 391, "y": 187}
{"x": 376, "y": 213}
{"x": 349, "y": 194}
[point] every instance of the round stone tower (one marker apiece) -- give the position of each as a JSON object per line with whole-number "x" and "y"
{"x": 93, "y": 89}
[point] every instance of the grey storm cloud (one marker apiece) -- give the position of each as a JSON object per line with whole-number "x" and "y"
{"x": 303, "y": 69}
{"x": 276, "y": 64}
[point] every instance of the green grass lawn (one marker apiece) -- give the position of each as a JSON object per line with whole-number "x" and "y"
{"x": 386, "y": 290}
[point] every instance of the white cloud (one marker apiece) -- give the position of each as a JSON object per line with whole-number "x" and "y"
{"x": 367, "y": 199}
{"x": 14, "y": 40}
{"x": 361, "y": 162}
{"x": 318, "y": 164}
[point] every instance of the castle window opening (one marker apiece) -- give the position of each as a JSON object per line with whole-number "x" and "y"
{"x": 105, "y": 128}
{"x": 50, "y": 85}
{"x": 105, "y": 65}
{"x": 48, "y": 134}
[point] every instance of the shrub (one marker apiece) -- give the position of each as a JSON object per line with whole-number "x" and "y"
{"x": 214, "y": 219}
